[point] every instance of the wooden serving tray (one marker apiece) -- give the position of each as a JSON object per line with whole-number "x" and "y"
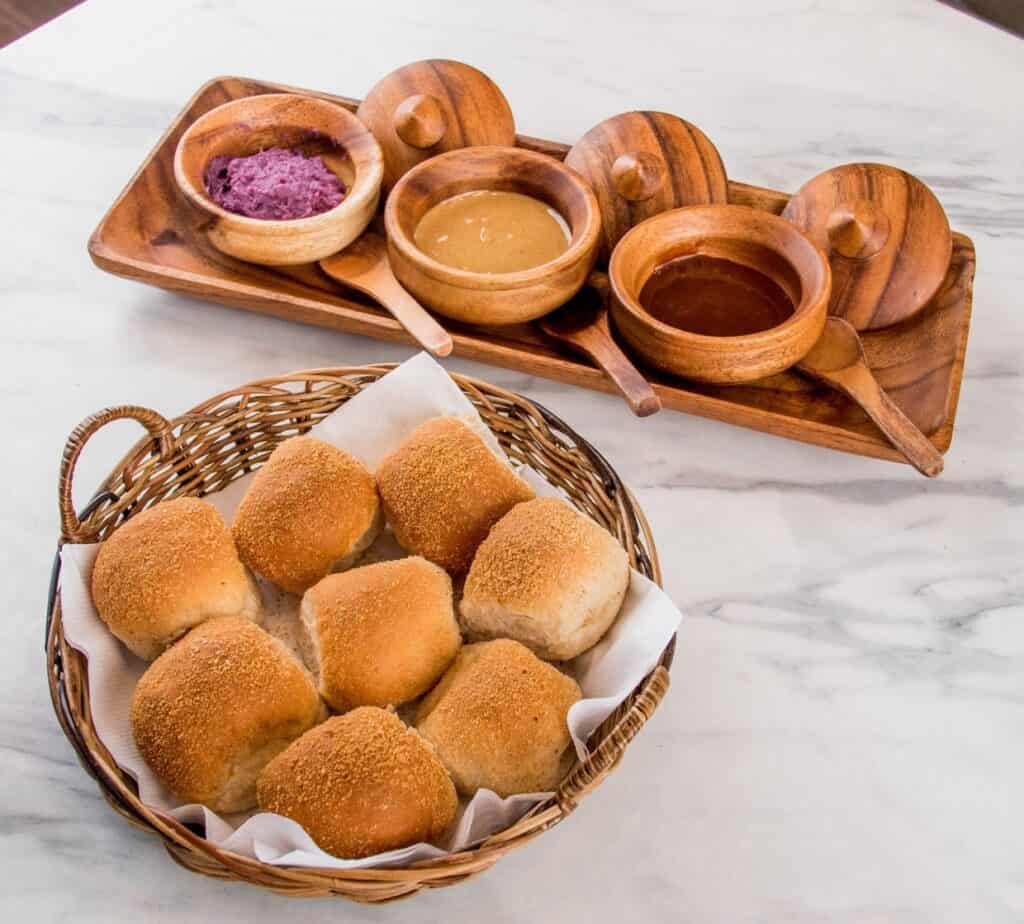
{"x": 152, "y": 235}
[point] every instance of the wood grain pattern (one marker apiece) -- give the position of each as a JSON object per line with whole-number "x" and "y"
{"x": 363, "y": 265}
{"x": 151, "y": 235}
{"x": 430, "y": 107}
{"x": 582, "y": 324}
{"x": 742, "y": 235}
{"x": 19, "y": 17}
{"x": 491, "y": 298}
{"x": 642, "y": 163}
{"x": 888, "y": 239}
{"x": 838, "y": 359}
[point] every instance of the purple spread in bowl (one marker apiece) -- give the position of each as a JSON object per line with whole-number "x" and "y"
{"x": 276, "y": 184}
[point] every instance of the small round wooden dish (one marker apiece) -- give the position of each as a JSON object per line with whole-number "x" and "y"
{"x": 207, "y": 448}
{"x": 312, "y": 126}
{"x": 492, "y": 298}
{"x": 738, "y": 235}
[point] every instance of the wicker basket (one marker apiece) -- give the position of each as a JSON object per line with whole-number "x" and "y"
{"x": 205, "y": 449}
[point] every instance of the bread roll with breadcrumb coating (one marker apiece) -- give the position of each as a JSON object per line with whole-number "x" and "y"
{"x": 547, "y": 576}
{"x": 311, "y": 509}
{"x": 498, "y": 720}
{"x": 443, "y": 489}
{"x": 381, "y": 634}
{"x": 166, "y": 570}
{"x": 361, "y": 783}
{"x": 214, "y": 708}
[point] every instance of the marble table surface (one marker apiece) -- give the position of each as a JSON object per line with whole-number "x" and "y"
{"x": 844, "y": 737}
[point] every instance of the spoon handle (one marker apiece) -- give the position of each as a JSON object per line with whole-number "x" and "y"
{"x": 603, "y": 350}
{"x": 584, "y": 326}
{"x": 412, "y": 316}
{"x": 638, "y": 392}
{"x": 900, "y": 429}
{"x": 364, "y": 266}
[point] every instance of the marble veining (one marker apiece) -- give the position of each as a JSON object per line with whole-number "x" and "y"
{"x": 843, "y": 737}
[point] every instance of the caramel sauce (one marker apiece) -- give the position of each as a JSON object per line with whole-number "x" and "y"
{"x": 492, "y": 231}
{"x": 714, "y": 297}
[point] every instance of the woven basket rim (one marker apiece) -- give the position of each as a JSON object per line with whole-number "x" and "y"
{"x": 69, "y": 692}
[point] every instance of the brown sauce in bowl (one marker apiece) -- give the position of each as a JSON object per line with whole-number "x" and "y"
{"x": 492, "y": 231}
{"x": 714, "y": 297}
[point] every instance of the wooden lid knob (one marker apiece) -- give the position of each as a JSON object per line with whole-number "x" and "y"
{"x": 643, "y": 163}
{"x": 637, "y": 175}
{"x": 857, "y": 230}
{"x": 420, "y": 121}
{"x": 429, "y": 107}
{"x": 887, "y": 237}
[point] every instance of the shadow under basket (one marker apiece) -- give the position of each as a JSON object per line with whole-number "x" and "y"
{"x": 222, "y": 439}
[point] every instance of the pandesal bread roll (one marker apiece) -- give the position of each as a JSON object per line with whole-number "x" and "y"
{"x": 166, "y": 570}
{"x": 311, "y": 509}
{"x": 547, "y": 576}
{"x": 382, "y": 634}
{"x": 497, "y": 720}
{"x": 215, "y": 707}
{"x": 443, "y": 489}
{"x": 360, "y": 784}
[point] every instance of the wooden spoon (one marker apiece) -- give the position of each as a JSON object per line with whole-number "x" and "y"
{"x": 363, "y": 265}
{"x": 582, "y": 323}
{"x": 838, "y": 359}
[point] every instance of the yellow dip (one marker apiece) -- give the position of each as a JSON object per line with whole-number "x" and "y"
{"x": 492, "y": 231}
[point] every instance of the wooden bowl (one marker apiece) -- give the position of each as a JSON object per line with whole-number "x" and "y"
{"x": 492, "y": 298}
{"x": 313, "y": 126}
{"x": 740, "y": 235}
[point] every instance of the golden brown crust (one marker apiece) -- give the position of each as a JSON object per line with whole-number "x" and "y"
{"x": 498, "y": 719}
{"x": 384, "y": 632}
{"x": 166, "y": 570}
{"x": 361, "y": 784}
{"x": 547, "y": 576}
{"x": 308, "y": 508}
{"x": 443, "y": 489}
{"x": 227, "y": 690}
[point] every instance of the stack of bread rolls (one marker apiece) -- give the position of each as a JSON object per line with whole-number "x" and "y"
{"x": 366, "y": 733}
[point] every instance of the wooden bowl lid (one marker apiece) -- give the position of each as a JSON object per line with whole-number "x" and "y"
{"x": 887, "y": 237}
{"x": 430, "y": 107}
{"x": 642, "y": 163}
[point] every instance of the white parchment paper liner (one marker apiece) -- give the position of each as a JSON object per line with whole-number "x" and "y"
{"x": 369, "y": 425}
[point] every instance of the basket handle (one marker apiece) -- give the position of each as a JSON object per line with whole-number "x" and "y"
{"x": 608, "y": 754}
{"x": 159, "y": 429}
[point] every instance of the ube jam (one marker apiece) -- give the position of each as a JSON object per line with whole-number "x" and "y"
{"x": 276, "y": 184}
